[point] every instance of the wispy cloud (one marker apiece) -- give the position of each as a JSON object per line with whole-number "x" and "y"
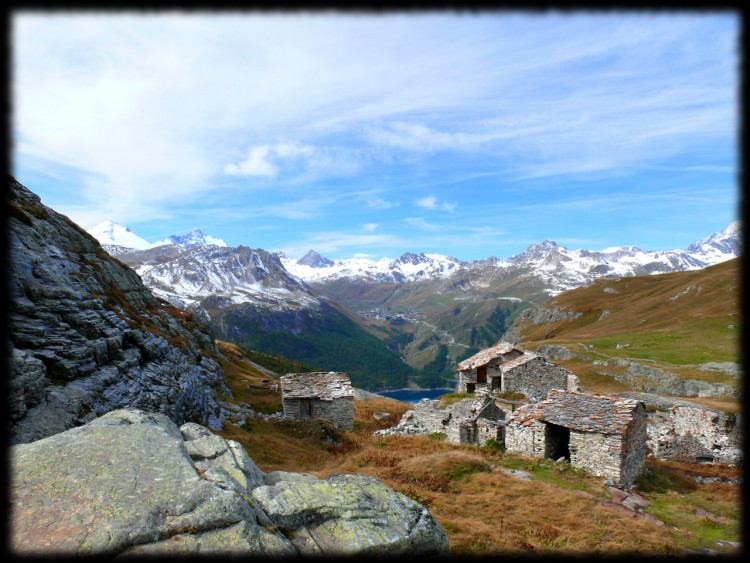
{"x": 339, "y": 242}
{"x": 268, "y": 160}
{"x": 431, "y": 202}
{"x": 380, "y": 203}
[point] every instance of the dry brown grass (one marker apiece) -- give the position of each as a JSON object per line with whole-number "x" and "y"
{"x": 484, "y": 510}
{"x": 248, "y": 384}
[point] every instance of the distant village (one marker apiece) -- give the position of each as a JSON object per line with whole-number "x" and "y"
{"x": 535, "y": 408}
{"x": 385, "y": 313}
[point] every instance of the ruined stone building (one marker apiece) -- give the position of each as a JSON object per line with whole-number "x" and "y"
{"x": 603, "y": 435}
{"x": 696, "y": 434}
{"x": 470, "y": 421}
{"x": 322, "y": 395}
{"x": 505, "y": 367}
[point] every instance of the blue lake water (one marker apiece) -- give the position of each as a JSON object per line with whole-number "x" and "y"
{"x": 415, "y": 395}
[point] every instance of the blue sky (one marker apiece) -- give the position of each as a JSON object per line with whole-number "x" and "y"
{"x": 465, "y": 134}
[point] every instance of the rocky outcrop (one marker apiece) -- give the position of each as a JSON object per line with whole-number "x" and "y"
{"x": 649, "y": 379}
{"x": 536, "y": 316}
{"x": 87, "y": 337}
{"x": 132, "y": 482}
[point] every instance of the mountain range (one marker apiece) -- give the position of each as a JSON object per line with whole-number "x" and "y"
{"x": 425, "y": 311}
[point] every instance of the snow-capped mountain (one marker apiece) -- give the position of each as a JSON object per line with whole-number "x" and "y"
{"x": 717, "y": 246}
{"x": 407, "y": 267}
{"x": 554, "y": 265}
{"x": 112, "y": 234}
{"x": 192, "y": 275}
{"x": 194, "y": 238}
{"x": 235, "y": 275}
{"x": 118, "y": 240}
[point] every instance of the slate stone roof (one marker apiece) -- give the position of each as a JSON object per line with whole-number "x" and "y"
{"x": 486, "y": 356}
{"x": 579, "y": 411}
{"x": 326, "y": 386}
{"x": 520, "y": 360}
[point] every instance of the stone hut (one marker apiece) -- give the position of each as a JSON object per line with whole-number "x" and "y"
{"x": 505, "y": 367}
{"x": 323, "y": 395}
{"x": 603, "y": 435}
{"x": 470, "y": 421}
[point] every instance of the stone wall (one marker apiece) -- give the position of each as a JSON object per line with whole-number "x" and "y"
{"x": 469, "y": 421}
{"x": 527, "y": 439}
{"x": 339, "y": 411}
{"x": 536, "y": 377}
{"x": 599, "y": 454}
{"x": 634, "y": 444}
{"x": 488, "y": 430}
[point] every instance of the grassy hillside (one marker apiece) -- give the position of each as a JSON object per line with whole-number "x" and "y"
{"x": 325, "y": 339}
{"x": 485, "y": 510}
{"x": 453, "y": 317}
{"x": 677, "y": 321}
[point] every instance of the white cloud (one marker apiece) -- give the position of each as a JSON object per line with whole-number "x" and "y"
{"x": 267, "y": 160}
{"x": 369, "y": 227}
{"x": 431, "y": 202}
{"x": 256, "y": 164}
{"x": 428, "y": 202}
{"x": 380, "y": 203}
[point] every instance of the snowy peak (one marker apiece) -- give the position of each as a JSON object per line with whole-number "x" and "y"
{"x": 119, "y": 239}
{"x": 408, "y": 267}
{"x": 314, "y": 260}
{"x": 535, "y": 252}
{"x": 725, "y": 242}
{"x": 236, "y": 275}
{"x": 194, "y": 238}
{"x": 109, "y": 233}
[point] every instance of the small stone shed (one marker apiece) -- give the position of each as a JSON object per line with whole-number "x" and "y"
{"x": 604, "y": 435}
{"x": 505, "y": 367}
{"x": 322, "y": 395}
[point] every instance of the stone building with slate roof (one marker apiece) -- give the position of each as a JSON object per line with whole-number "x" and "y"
{"x": 505, "y": 367}
{"x": 603, "y": 435}
{"x": 321, "y": 395}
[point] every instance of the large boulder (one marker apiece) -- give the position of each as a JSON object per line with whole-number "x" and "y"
{"x": 348, "y": 514}
{"x": 132, "y": 482}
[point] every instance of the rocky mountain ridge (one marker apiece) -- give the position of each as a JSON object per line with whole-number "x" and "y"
{"x": 85, "y": 336}
{"x": 554, "y": 265}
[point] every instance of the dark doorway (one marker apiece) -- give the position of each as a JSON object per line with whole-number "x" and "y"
{"x": 556, "y": 442}
{"x": 305, "y": 408}
{"x": 470, "y": 387}
{"x": 482, "y": 374}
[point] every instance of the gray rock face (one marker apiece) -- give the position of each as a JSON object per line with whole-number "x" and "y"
{"x": 87, "y": 337}
{"x": 132, "y": 482}
{"x": 649, "y": 379}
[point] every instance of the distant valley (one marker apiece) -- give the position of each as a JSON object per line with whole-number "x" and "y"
{"x": 396, "y": 322}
